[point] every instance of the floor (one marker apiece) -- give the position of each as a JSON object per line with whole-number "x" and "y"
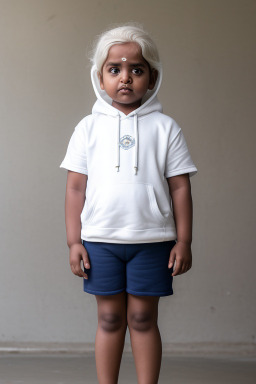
{"x": 78, "y": 369}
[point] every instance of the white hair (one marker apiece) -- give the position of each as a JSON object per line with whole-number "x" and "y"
{"x": 121, "y": 35}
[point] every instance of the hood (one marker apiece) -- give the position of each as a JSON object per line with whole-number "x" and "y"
{"x": 103, "y": 105}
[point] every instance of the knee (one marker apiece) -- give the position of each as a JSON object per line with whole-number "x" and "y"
{"x": 111, "y": 322}
{"x": 141, "y": 321}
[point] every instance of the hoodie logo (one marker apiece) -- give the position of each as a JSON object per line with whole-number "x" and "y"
{"x": 127, "y": 142}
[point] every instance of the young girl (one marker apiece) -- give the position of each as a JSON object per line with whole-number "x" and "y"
{"x": 128, "y": 198}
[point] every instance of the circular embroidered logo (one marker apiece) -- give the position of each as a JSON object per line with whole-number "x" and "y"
{"x": 127, "y": 142}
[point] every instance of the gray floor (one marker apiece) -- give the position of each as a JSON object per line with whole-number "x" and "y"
{"x": 78, "y": 369}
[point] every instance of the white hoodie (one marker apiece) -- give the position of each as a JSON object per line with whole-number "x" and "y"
{"x": 127, "y": 159}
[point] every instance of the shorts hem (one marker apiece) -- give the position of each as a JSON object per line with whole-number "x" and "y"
{"x": 92, "y": 292}
{"x": 160, "y": 294}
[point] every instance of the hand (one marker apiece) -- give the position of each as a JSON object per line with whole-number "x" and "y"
{"x": 182, "y": 256}
{"x": 77, "y": 253}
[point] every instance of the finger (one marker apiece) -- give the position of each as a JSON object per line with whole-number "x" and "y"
{"x": 86, "y": 260}
{"x": 73, "y": 269}
{"x": 81, "y": 273}
{"x": 171, "y": 259}
{"x": 188, "y": 267}
{"x": 85, "y": 276}
{"x": 177, "y": 268}
{"x": 185, "y": 268}
{"x": 78, "y": 271}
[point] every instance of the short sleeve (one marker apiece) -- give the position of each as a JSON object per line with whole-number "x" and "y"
{"x": 178, "y": 159}
{"x": 76, "y": 159}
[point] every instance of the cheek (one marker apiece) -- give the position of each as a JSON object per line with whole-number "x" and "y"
{"x": 110, "y": 85}
{"x": 144, "y": 84}
{"x": 101, "y": 83}
{"x": 106, "y": 86}
{"x": 144, "y": 87}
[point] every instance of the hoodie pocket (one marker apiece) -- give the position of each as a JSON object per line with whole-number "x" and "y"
{"x": 128, "y": 205}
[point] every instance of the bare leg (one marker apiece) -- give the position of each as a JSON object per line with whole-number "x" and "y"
{"x": 110, "y": 336}
{"x": 142, "y": 313}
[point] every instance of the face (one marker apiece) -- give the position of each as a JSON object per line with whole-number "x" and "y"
{"x": 126, "y": 76}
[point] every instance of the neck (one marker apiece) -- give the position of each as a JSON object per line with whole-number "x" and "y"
{"x": 126, "y": 108}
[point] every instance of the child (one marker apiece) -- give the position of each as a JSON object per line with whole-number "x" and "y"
{"x": 128, "y": 198}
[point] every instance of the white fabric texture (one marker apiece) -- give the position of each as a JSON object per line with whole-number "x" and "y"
{"x": 127, "y": 159}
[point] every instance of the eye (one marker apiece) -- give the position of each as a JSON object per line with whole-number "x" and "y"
{"x": 137, "y": 71}
{"x": 114, "y": 70}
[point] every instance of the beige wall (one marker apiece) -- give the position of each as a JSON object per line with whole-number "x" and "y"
{"x": 209, "y": 59}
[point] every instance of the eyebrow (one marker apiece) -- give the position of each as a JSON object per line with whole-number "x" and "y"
{"x": 131, "y": 65}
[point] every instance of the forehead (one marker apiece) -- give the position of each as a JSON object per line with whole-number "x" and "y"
{"x": 131, "y": 51}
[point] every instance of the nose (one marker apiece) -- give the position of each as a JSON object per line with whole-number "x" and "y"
{"x": 126, "y": 78}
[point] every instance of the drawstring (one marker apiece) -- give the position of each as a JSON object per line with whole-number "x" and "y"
{"x": 118, "y": 144}
{"x": 135, "y": 122}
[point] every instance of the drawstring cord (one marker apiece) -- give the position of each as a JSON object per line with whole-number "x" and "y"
{"x": 135, "y": 122}
{"x": 117, "y": 144}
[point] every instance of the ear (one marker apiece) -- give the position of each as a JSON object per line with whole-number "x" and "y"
{"x": 100, "y": 77}
{"x": 153, "y": 78}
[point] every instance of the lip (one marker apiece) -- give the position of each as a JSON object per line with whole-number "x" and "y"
{"x": 124, "y": 89}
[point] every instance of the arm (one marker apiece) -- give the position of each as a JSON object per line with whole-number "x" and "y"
{"x": 180, "y": 191}
{"x": 75, "y": 197}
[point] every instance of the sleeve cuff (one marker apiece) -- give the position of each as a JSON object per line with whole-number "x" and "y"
{"x": 191, "y": 171}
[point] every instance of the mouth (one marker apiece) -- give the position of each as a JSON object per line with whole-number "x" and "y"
{"x": 124, "y": 89}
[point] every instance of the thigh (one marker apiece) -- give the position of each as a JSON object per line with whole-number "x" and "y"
{"x": 142, "y": 303}
{"x": 107, "y": 274}
{"x": 147, "y": 271}
{"x": 112, "y": 303}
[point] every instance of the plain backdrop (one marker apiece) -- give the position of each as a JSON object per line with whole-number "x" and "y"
{"x": 209, "y": 58}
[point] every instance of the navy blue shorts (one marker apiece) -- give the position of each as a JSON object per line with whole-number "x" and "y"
{"x": 139, "y": 269}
